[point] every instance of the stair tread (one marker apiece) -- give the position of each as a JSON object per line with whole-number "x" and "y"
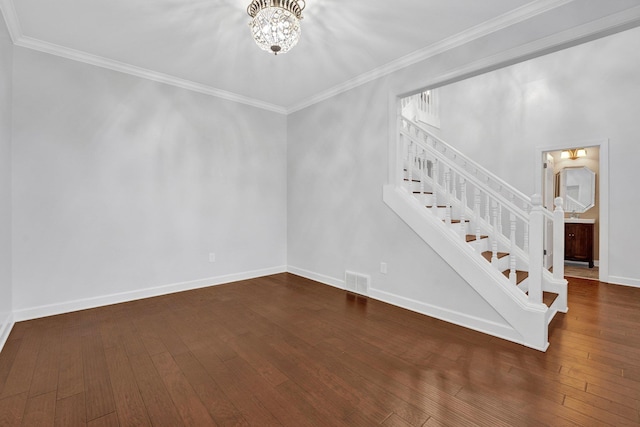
{"x": 488, "y": 254}
{"x": 520, "y": 275}
{"x": 472, "y": 237}
{"x": 413, "y": 180}
{"x": 431, "y": 206}
{"x": 456, "y": 221}
{"x": 548, "y": 298}
{"x": 423, "y": 192}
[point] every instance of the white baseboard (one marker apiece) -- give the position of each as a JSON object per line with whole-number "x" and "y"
{"x": 625, "y": 281}
{"x": 461, "y": 319}
{"x": 471, "y": 322}
{"x": 326, "y": 280}
{"x": 6, "y": 325}
{"x": 83, "y": 304}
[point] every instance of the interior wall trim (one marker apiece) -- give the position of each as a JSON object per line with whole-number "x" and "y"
{"x": 604, "y": 26}
{"x": 457, "y": 318}
{"x": 6, "y": 325}
{"x": 603, "y": 180}
{"x": 99, "y": 301}
{"x": 624, "y": 281}
{"x": 110, "y": 64}
{"x": 11, "y": 19}
{"x": 317, "y": 277}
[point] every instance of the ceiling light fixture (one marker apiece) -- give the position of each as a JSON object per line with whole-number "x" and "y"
{"x": 275, "y": 24}
{"x": 573, "y": 154}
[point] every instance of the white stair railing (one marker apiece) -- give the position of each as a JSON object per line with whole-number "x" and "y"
{"x": 484, "y": 205}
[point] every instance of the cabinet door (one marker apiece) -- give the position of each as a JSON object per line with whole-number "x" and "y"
{"x": 569, "y": 241}
{"x": 583, "y": 247}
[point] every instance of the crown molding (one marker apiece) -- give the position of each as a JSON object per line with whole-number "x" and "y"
{"x": 498, "y": 23}
{"x": 122, "y": 67}
{"x": 602, "y": 27}
{"x": 510, "y": 18}
{"x": 11, "y": 19}
{"x": 19, "y": 39}
{"x": 607, "y": 25}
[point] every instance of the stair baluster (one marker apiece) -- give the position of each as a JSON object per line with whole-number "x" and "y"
{"x": 487, "y": 212}
{"x": 512, "y": 251}
{"x": 500, "y": 229}
{"x": 435, "y": 198}
{"x": 494, "y": 240}
{"x": 410, "y": 160}
{"x": 447, "y": 189}
{"x": 476, "y": 208}
{"x": 449, "y": 175}
{"x": 423, "y": 174}
{"x": 463, "y": 207}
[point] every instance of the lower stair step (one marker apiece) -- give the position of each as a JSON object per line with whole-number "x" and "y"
{"x": 520, "y": 275}
{"x": 548, "y": 298}
{"x": 457, "y": 221}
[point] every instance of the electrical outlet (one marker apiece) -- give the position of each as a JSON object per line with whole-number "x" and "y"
{"x": 212, "y": 257}
{"x": 383, "y": 267}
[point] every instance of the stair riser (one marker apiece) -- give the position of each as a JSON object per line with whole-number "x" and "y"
{"x": 480, "y": 245}
{"x": 425, "y": 199}
{"x": 415, "y": 186}
{"x": 501, "y": 264}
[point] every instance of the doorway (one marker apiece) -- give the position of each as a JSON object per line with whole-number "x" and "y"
{"x": 563, "y": 161}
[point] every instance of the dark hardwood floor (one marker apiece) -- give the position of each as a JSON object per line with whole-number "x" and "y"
{"x": 283, "y": 350}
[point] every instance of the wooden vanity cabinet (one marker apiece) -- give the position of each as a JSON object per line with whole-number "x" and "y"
{"x": 578, "y": 242}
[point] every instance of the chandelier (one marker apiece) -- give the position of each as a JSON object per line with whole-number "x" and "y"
{"x": 275, "y": 24}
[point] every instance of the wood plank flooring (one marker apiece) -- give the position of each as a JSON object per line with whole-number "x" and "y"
{"x": 283, "y": 350}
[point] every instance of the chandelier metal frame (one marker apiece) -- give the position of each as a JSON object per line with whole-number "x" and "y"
{"x": 275, "y": 24}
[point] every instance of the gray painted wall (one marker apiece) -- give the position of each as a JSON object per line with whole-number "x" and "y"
{"x": 338, "y": 162}
{"x": 6, "y": 66}
{"x": 585, "y": 93}
{"x": 338, "y": 152}
{"x": 123, "y": 184}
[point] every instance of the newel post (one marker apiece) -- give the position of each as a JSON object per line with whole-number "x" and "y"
{"x": 558, "y": 239}
{"x": 536, "y": 250}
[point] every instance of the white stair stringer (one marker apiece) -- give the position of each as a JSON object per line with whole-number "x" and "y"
{"x": 528, "y": 320}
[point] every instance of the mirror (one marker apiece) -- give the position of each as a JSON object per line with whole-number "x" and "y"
{"x": 577, "y": 189}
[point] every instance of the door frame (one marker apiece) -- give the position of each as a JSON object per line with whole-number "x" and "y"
{"x": 603, "y": 187}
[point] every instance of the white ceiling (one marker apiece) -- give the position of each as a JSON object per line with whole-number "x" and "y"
{"x": 206, "y": 44}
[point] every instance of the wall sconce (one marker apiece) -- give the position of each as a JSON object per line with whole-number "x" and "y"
{"x": 573, "y": 154}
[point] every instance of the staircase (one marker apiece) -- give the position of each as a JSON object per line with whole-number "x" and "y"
{"x": 489, "y": 232}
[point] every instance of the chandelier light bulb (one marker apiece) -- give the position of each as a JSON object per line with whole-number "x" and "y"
{"x": 275, "y": 24}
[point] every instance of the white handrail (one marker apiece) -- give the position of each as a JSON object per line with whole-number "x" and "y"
{"x": 502, "y": 199}
{"x": 456, "y": 156}
{"x": 515, "y": 227}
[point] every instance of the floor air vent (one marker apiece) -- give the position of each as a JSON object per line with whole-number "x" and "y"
{"x": 357, "y": 283}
